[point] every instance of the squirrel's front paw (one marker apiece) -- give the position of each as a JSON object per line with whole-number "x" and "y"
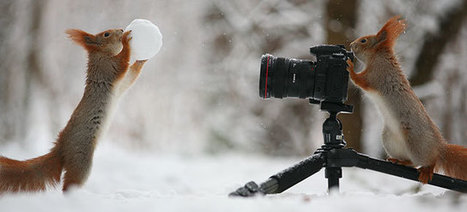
{"x": 350, "y": 65}
{"x": 140, "y": 62}
{"x": 126, "y": 37}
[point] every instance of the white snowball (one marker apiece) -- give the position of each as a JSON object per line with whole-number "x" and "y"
{"x": 146, "y": 41}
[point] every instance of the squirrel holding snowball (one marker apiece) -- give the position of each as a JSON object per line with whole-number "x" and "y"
{"x": 108, "y": 76}
{"x": 410, "y": 137}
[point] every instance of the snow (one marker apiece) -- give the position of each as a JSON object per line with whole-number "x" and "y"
{"x": 176, "y": 111}
{"x": 123, "y": 180}
{"x": 146, "y": 39}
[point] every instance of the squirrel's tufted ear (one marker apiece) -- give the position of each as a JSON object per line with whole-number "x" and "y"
{"x": 82, "y": 38}
{"x": 390, "y": 31}
{"x": 381, "y": 36}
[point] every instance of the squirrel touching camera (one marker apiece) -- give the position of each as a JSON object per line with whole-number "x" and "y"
{"x": 410, "y": 137}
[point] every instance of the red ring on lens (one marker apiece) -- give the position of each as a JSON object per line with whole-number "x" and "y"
{"x": 266, "y": 84}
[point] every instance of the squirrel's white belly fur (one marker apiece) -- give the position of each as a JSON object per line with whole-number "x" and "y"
{"x": 393, "y": 139}
{"x": 120, "y": 86}
{"x": 116, "y": 93}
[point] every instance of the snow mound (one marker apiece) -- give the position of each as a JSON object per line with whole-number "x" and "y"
{"x": 146, "y": 41}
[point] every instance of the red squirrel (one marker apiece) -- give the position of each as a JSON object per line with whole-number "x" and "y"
{"x": 107, "y": 77}
{"x": 410, "y": 137}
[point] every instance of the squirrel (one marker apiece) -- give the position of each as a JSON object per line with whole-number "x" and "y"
{"x": 108, "y": 76}
{"x": 410, "y": 137}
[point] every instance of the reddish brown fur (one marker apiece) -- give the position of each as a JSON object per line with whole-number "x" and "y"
{"x": 73, "y": 151}
{"x": 123, "y": 57}
{"x": 453, "y": 161}
{"x": 401, "y": 162}
{"x": 79, "y": 37}
{"x": 136, "y": 67}
{"x": 360, "y": 78}
{"x": 390, "y": 32}
{"x": 30, "y": 175}
{"x": 450, "y": 158}
{"x": 382, "y": 42}
{"x": 426, "y": 173}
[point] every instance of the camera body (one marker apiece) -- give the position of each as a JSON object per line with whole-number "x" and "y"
{"x": 325, "y": 79}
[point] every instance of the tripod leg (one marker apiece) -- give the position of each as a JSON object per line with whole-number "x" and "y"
{"x": 333, "y": 174}
{"x": 409, "y": 173}
{"x": 298, "y": 172}
{"x": 284, "y": 179}
{"x": 349, "y": 158}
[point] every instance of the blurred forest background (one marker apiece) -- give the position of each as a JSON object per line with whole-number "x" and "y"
{"x": 200, "y": 93}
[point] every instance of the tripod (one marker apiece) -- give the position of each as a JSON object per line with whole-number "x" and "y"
{"x": 333, "y": 155}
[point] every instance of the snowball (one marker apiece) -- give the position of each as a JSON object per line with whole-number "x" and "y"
{"x": 146, "y": 39}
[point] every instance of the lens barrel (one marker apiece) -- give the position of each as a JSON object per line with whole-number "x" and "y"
{"x": 285, "y": 77}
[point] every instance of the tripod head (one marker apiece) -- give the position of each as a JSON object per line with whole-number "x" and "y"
{"x": 333, "y": 107}
{"x": 332, "y": 127}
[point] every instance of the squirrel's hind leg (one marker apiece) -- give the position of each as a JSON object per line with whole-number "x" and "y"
{"x": 73, "y": 179}
{"x": 425, "y": 173}
{"x": 77, "y": 171}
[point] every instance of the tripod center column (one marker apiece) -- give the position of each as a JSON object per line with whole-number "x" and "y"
{"x": 332, "y": 132}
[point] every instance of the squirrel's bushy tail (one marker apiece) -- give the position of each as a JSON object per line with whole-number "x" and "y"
{"x": 30, "y": 175}
{"x": 453, "y": 161}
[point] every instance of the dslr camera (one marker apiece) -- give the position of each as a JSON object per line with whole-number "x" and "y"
{"x": 325, "y": 79}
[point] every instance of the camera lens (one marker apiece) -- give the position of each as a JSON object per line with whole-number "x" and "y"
{"x": 285, "y": 77}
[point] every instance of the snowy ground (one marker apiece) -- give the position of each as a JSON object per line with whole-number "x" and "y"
{"x": 128, "y": 181}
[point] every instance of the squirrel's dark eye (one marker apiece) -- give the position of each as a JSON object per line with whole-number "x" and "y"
{"x": 363, "y": 41}
{"x": 106, "y": 34}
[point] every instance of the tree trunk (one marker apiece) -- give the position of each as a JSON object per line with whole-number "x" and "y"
{"x": 341, "y": 18}
{"x": 434, "y": 44}
{"x": 6, "y": 128}
{"x": 21, "y": 65}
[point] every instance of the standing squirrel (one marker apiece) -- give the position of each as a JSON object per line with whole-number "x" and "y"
{"x": 107, "y": 78}
{"x": 410, "y": 137}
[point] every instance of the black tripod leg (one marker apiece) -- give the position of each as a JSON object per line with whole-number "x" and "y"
{"x": 284, "y": 179}
{"x": 333, "y": 174}
{"x": 298, "y": 172}
{"x": 410, "y": 173}
{"x": 349, "y": 158}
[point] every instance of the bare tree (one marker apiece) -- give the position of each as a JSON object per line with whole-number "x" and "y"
{"x": 7, "y": 130}
{"x": 435, "y": 42}
{"x": 434, "y": 46}
{"x": 340, "y": 19}
{"x": 21, "y": 66}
